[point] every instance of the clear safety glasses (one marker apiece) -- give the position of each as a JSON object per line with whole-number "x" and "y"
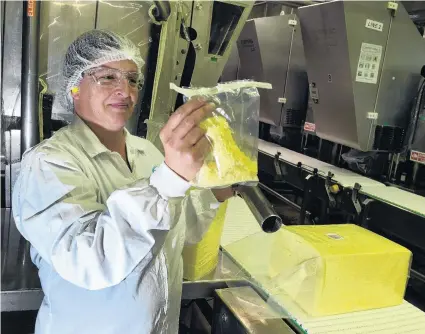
{"x": 111, "y": 77}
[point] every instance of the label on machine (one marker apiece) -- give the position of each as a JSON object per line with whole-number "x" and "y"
{"x": 30, "y": 8}
{"x": 311, "y": 127}
{"x": 368, "y": 65}
{"x": 417, "y": 156}
{"x": 374, "y": 25}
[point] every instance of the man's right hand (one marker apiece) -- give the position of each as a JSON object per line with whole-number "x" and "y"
{"x": 185, "y": 144}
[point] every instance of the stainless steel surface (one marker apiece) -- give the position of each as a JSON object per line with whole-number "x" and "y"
{"x": 251, "y": 311}
{"x": 296, "y": 87}
{"x": 260, "y": 207}
{"x": 231, "y": 69}
{"x": 20, "y": 286}
{"x": 346, "y": 108}
{"x": 12, "y": 58}
{"x": 286, "y": 203}
{"x": 226, "y": 274}
{"x": 271, "y": 50}
{"x": 209, "y": 64}
{"x": 13, "y": 157}
{"x": 21, "y": 300}
{"x": 174, "y": 49}
{"x": 30, "y": 135}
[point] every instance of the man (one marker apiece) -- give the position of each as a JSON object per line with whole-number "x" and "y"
{"x": 105, "y": 214}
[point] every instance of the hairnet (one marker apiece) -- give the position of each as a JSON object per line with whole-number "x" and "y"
{"x": 91, "y": 49}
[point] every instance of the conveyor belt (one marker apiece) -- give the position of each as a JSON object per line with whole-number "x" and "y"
{"x": 405, "y": 318}
{"x": 344, "y": 177}
{"x": 391, "y": 195}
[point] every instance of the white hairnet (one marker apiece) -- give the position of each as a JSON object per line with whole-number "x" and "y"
{"x": 91, "y": 49}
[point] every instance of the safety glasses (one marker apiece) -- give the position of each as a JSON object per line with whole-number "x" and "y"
{"x": 111, "y": 77}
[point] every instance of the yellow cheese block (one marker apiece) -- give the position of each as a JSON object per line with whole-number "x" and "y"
{"x": 201, "y": 259}
{"x": 327, "y": 269}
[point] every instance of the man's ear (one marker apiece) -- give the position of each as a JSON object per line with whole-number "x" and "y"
{"x": 75, "y": 93}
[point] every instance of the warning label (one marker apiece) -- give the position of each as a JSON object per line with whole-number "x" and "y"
{"x": 417, "y": 156}
{"x": 368, "y": 65}
{"x": 30, "y": 8}
{"x": 311, "y": 127}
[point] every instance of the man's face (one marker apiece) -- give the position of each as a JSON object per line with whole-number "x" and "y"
{"x": 107, "y": 94}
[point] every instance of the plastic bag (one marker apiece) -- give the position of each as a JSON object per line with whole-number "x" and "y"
{"x": 362, "y": 162}
{"x": 232, "y": 131}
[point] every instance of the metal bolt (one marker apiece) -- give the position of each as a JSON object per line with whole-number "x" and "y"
{"x": 198, "y": 6}
{"x": 198, "y": 46}
{"x": 224, "y": 317}
{"x": 183, "y": 51}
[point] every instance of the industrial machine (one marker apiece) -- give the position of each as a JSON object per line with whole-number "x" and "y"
{"x": 363, "y": 72}
{"x": 271, "y": 50}
{"x": 364, "y": 84}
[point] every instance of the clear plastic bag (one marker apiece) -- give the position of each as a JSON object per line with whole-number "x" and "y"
{"x": 360, "y": 161}
{"x": 232, "y": 131}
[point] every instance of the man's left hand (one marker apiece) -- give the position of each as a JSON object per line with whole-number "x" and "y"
{"x": 223, "y": 193}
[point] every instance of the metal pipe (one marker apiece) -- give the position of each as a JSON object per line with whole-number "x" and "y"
{"x": 260, "y": 207}
{"x": 163, "y": 10}
{"x": 30, "y": 135}
{"x": 282, "y": 198}
{"x": 29, "y": 86}
{"x": 415, "y": 173}
{"x": 397, "y": 162}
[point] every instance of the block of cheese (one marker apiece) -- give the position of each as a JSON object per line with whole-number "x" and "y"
{"x": 327, "y": 269}
{"x": 201, "y": 259}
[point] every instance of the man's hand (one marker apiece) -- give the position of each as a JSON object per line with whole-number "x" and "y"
{"x": 222, "y": 194}
{"x": 185, "y": 144}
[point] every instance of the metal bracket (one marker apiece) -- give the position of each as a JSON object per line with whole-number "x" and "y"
{"x": 329, "y": 191}
{"x": 292, "y": 23}
{"x": 392, "y": 6}
{"x": 307, "y": 193}
{"x": 364, "y": 219}
{"x": 299, "y": 166}
{"x": 355, "y": 198}
{"x": 278, "y": 169}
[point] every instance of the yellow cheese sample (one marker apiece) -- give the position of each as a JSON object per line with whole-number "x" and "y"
{"x": 230, "y": 164}
{"x": 201, "y": 259}
{"x": 327, "y": 269}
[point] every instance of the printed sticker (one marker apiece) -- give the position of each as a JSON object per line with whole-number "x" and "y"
{"x": 368, "y": 65}
{"x": 417, "y": 156}
{"x": 311, "y": 127}
{"x": 374, "y": 25}
{"x": 30, "y": 8}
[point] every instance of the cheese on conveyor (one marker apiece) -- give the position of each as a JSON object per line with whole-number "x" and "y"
{"x": 244, "y": 241}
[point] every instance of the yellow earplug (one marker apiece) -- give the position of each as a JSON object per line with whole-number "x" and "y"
{"x": 74, "y": 90}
